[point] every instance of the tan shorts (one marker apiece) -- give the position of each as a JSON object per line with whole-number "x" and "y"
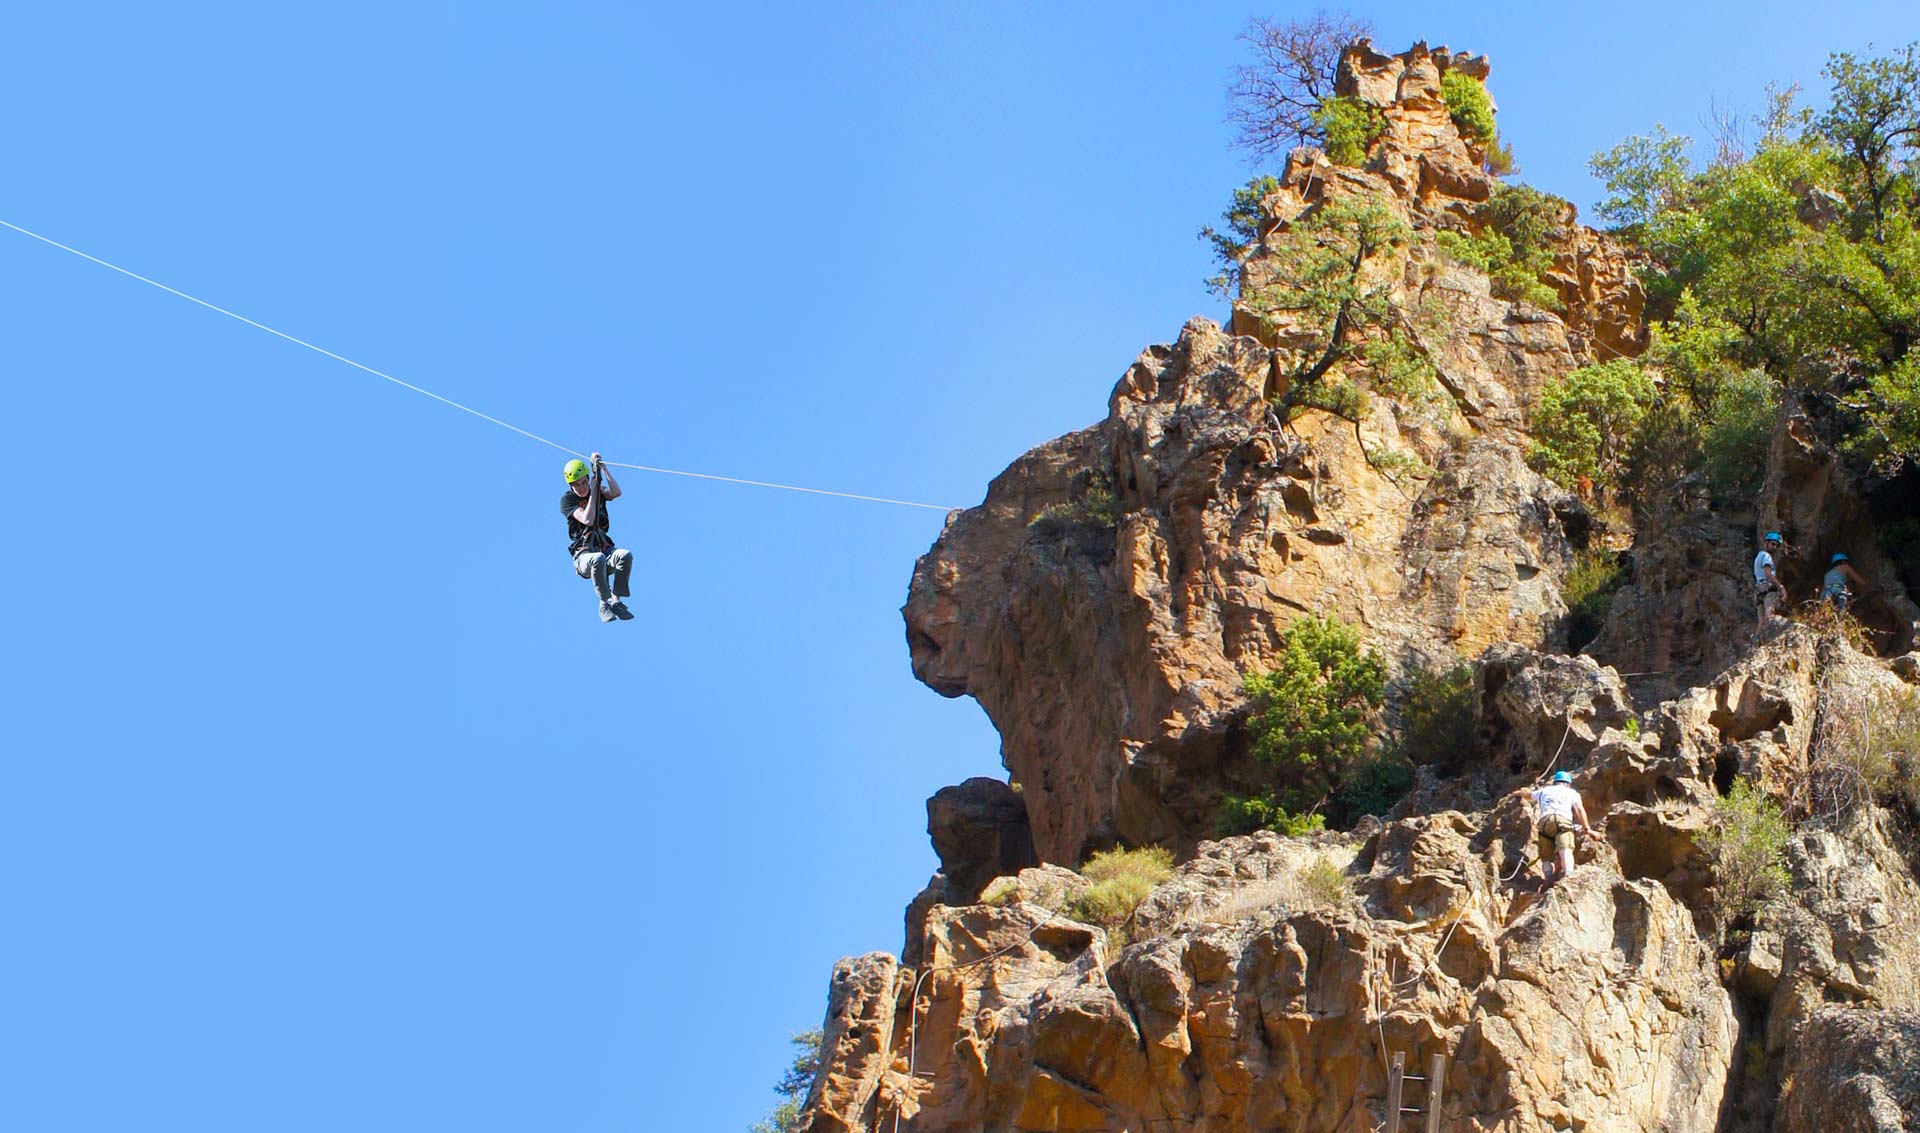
{"x": 1554, "y": 835}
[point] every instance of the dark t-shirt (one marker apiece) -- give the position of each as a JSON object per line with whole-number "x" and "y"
{"x": 579, "y": 538}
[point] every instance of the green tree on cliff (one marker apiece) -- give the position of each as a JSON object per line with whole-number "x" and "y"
{"x": 794, "y": 1083}
{"x": 1239, "y": 234}
{"x": 1310, "y": 722}
{"x": 1803, "y": 259}
{"x": 1586, "y": 421}
{"x": 1323, "y": 283}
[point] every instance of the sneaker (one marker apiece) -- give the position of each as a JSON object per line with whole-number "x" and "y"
{"x": 620, "y": 611}
{"x": 606, "y": 611}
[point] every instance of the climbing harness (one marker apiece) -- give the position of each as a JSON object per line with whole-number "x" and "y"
{"x": 449, "y": 401}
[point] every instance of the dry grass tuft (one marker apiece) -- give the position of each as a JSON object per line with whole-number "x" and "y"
{"x": 1121, "y": 880}
{"x": 1321, "y": 882}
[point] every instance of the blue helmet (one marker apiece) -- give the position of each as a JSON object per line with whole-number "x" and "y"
{"x": 1774, "y": 537}
{"x": 1840, "y": 558}
{"x": 1563, "y": 776}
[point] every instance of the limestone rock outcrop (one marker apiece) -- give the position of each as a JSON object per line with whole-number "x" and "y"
{"x": 979, "y": 829}
{"x": 1424, "y": 160}
{"x": 1269, "y": 1008}
{"x": 1254, "y": 994}
{"x": 1854, "y": 1071}
{"x": 1103, "y": 603}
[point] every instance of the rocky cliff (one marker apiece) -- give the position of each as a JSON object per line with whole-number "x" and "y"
{"x": 1107, "y": 643}
{"x": 1102, "y": 606}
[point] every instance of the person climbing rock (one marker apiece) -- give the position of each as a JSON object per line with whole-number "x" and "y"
{"x": 1835, "y": 588}
{"x": 1561, "y": 814}
{"x": 594, "y": 555}
{"x": 1767, "y": 591}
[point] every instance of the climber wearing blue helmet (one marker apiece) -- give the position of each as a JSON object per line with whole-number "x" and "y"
{"x": 1767, "y": 591}
{"x": 1561, "y": 813}
{"x": 1834, "y": 587}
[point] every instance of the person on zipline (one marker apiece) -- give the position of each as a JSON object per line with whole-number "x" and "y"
{"x": 594, "y": 555}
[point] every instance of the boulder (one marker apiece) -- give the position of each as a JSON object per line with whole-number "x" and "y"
{"x": 979, "y": 829}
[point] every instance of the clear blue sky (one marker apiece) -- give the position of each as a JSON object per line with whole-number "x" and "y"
{"x": 329, "y": 803}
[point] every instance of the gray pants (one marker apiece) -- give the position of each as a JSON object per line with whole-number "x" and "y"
{"x": 614, "y": 566}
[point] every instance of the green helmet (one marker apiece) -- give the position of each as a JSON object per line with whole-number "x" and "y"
{"x": 576, "y": 471}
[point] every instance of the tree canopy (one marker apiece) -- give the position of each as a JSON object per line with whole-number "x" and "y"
{"x": 1801, "y": 259}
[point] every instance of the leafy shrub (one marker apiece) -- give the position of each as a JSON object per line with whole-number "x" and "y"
{"x": 1323, "y": 882}
{"x": 1311, "y": 709}
{"x": 1121, "y": 880}
{"x": 1585, "y": 421}
{"x": 1664, "y": 450}
{"x": 1588, "y": 593}
{"x": 1241, "y": 233}
{"x": 1804, "y": 251}
{"x": 1692, "y": 349}
{"x": 1244, "y": 814}
{"x": 1309, "y": 720}
{"x": 1525, "y": 215}
{"x": 1374, "y": 785}
{"x": 1739, "y": 429}
{"x": 1748, "y": 840}
{"x": 1349, "y": 127}
{"x": 1513, "y": 247}
{"x": 1438, "y": 718}
{"x": 1093, "y": 503}
{"x": 1469, "y": 105}
{"x": 1647, "y": 176}
{"x": 1890, "y": 408}
{"x": 1479, "y": 251}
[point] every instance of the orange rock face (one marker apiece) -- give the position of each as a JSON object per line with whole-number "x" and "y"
{"x": 1104, "y": 602}
{"x": 1103, "y": 606}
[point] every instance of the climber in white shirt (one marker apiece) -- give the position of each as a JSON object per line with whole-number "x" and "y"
{"x": 1561, "y": 813}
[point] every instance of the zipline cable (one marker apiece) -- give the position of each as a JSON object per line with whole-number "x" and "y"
{"x": 783, "y": 487}
{"x": 447, "y": 400}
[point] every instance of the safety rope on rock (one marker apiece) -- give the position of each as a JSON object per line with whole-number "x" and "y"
{"x": 913, "y": 999}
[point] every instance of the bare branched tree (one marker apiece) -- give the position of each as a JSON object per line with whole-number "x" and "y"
{"x": 1728, "y": 129}
{"x": 1272, "y": 100}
